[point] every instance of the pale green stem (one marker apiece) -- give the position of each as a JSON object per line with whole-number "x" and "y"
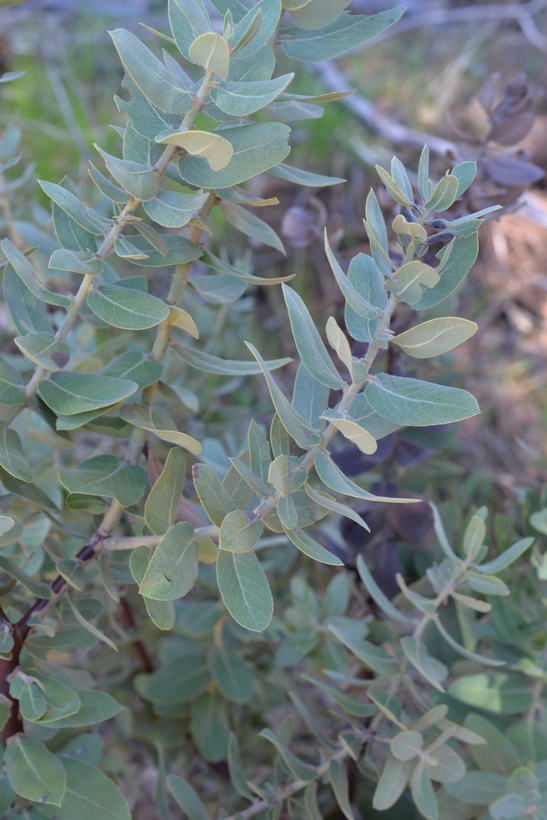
{"x": 134, "y": 541}
{"x": 163, "y": 333}
{"x": 268, "y": 504}
{"x": 108, "y": 243}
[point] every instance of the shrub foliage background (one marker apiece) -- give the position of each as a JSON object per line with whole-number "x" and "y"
{"x": 139, "y": 554}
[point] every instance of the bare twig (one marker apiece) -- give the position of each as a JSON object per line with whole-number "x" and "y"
{"x": 523, "y": 14}
{"x": 391, "y": 130}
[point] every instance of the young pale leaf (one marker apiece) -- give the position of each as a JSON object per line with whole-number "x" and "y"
{"x": 244, "y": 589}
{"x": 160, "y": 424}
{"x": 231, "y": 674}
{"x": 151, "y": 77}
{"x": 413, "y": 229}
{"x": 251, "y": 225}
{"x": 335, "y": 506}
{"x": 396, "y": 192}
{"x": 409, "y": 280}
{"x": 256, "y": 148}
{"x": 356, "y": 434}
{"x": 213, "y": 148}
{"x": 286, "y": 475}
{"x": 473, "y": 537}
{"x": 444, "y": 194}
{"x": 399, "y": 174}
{"x": 34, "y": 772}
{"x": 181, "y": 318}
{"x": 297, "y": 768}
{"x": 423, "y": 174}
{"x": 162, "y": 504}
{"x": 392, "y": 783}
{"x": 300, "y": 177}
{"x": 416, "y": 403}
{"x": 174, "y": 210}
{"x": 243, "y": 99}
{"x": 407, "y": 745}
{"x": 342, "y": 35}
{"x": 376, "y": 593}
{"x": 70, "y": 393}
{"x": 302, "y": 433}
{"x": 186, "y": 797}
{"x": 106, "y": 476}
{"x": 212, "y": 494}
{"x": 210, "y": 51}
{"x": 311, "y": 548}
{"x": 173, "y": 570}
{"x": 435, "y": 337}
{"x": 331, "y": 475}
{"x": 239, "y": 532}
{"x": 237, "y": 775}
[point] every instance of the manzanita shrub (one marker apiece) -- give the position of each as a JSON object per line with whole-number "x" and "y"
{"x": 141, "y": 539}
